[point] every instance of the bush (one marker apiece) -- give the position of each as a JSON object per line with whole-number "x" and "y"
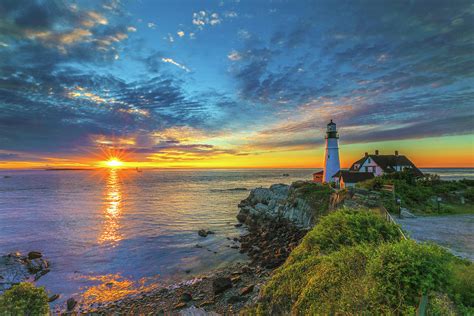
{"x": 333, "y": 232}
{"x": 353, "y": 262}
{"x": 337, "y": 285}
{"x": 461, "y": 285}
{"x": 24, "y": 299}
{"x": 346, "y": 228}
{"x": 402, "y": 272}
{"x": 285, "y": 287}
{"x": 439, "y": 304}
{"x": 469, "y": 194}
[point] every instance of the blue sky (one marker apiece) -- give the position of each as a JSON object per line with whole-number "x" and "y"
{"x": 184, "y": 81}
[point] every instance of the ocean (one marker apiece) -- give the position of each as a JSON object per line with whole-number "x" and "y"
{"x": 109, "y": 233}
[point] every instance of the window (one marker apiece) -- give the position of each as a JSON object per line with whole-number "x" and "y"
{"x": 366, "y": 169}
{"x": 368, "y": 160}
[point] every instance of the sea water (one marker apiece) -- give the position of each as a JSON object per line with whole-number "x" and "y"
{"x": 109, "y": 233}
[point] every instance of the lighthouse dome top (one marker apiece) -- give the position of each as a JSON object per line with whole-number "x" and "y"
{"x": 331, "y": 127}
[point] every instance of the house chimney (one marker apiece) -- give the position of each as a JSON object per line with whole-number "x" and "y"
{"x": 366, "y": 154}
{"x": 396, "y": 152}
{"x": 376, "y": 152}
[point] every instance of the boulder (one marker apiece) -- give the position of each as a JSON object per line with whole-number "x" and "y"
{"x": 179, "y": 305}
{"x": 241, "y": 217}
{"x": 70, "y": 304}
{"x": 53, "y": 297}
{"x": 246, "y": 290}
{"x": 15, "y": 268}
{"x": 202, "y": 233}
{"x": 234, "y": 299}
{"x": 186, "y": 297}
{"x": 220, "y": 285}
{"x": 34, "y": 255}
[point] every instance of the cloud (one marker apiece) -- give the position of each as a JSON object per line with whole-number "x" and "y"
{"x": 151, "y": 25}
{"x": 191, "y": 152}
{"x": 171, "y": 61}
{"x": 230, "y": 14}
{"x": 234, "y": 56}
{"x": 389, "y": 78}
{"x": 203, "y": 18}
{"x": 169, "y": 38}
{"x": 9, "y": 156}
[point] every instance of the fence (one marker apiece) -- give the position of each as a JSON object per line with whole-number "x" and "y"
{"x": 385, "y": 214}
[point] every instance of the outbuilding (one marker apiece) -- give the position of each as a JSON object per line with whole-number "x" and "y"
{"x": 348, "y": 179}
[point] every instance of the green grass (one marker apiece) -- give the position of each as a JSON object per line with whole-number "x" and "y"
{"x": 316, "y": 195}
{"x": 354, "y": 262}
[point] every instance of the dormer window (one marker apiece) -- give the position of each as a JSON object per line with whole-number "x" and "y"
{"x": 368, "y": 160}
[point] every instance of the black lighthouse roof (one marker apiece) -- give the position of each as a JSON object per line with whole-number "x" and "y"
{"x": 331, "y": 123}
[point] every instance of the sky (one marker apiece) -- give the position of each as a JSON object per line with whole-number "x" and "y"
{"x": 234, "y": 84}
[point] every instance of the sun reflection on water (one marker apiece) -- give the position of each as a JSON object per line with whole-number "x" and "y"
{"x": 112, "y": 287}
{"x": 112, "y": 209}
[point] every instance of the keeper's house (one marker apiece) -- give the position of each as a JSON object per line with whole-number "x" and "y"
{"x": 371, "y": 166}
{"x": 381, "y": 164}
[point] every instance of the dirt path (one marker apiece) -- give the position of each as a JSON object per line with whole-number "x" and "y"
{"x": 455, "y": 232}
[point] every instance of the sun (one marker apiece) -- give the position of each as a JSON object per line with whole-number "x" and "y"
{"x": 114, "y": 162}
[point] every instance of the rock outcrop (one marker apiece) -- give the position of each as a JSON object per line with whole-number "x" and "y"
{"x": 301, "y": 203}
{"x": 15, "y": 268}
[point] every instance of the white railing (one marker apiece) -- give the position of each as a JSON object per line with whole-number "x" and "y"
{"x": 389, "y": 218}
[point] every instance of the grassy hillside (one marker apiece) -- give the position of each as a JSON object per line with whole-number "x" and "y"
{"x": 354, "y": 262}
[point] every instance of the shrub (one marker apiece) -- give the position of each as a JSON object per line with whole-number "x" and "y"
{"x": 402, "y": 272}
{"x": 285, "y": 286}
{"x": 461, "y": 285}
{"x": 469, "y": 194}
{"x": 333, "y": 232}
{"x": 346, "y": 228}
{"x": 337, "y": 285}
{"x": 365, "y": 276}
{"x": 439, "y": 304}
{"x": 24, "y": 299}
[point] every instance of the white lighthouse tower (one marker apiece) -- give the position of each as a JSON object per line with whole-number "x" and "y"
{"x": 331, "y": 158}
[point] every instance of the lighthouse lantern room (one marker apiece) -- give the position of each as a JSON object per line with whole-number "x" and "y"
{"x": 331, "y": 158}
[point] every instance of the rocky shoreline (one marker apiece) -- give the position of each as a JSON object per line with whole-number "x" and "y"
{"x": 270, "y": 238}
{"x": 222, "y": 291}
{"x": 16, "y": 268}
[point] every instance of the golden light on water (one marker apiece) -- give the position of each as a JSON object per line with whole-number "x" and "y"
{"x": 112, "y": 287}
{"x": 112, "y": 209}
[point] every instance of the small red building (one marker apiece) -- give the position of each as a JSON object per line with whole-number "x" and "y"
{"x": 318, "y": 176}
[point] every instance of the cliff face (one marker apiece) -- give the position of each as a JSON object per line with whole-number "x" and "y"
{"x": 301, "y": 203}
